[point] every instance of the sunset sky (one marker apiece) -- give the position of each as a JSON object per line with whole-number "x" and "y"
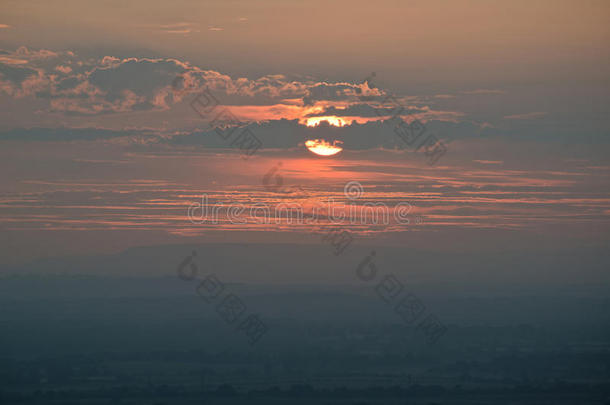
{"x": 104, "y": 145}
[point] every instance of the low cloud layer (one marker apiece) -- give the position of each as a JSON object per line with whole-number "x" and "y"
{"x": 62, "y": 89}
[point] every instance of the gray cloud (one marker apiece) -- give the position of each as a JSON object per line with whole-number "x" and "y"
{"x": 112, "y": 85}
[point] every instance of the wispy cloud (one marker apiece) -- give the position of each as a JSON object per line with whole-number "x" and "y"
{"x": 526, "y": 116}
{"x": 484, "y": 91}
{"x": 182, "y": 28}
{"x": 453, "y": 197}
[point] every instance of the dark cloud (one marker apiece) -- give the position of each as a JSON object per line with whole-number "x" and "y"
{"x": 290, "y": 134}
{"x": 364, "y": 110}
{"x": 67, "y": 134}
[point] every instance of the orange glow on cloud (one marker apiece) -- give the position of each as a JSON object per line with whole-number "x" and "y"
{"x": 290, "y": 110}
{"x": 332, "y": 120}
{"x": 323, "y": 148}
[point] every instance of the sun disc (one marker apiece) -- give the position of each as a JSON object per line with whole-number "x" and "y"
{"x": 323, "y": 148}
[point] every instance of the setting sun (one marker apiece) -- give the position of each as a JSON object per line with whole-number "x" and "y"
{"x": 324, "y": 148}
